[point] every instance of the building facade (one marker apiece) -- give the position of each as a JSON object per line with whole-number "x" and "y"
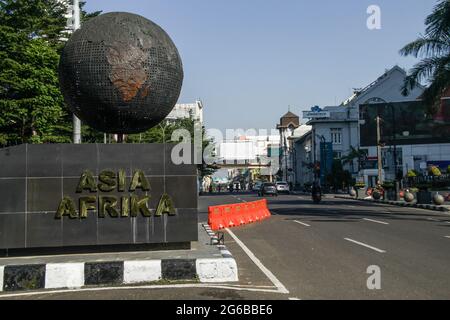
{"x": 340, "y": 127}
{"x": 187, "y": 110}
{"x": 289, "y": 128}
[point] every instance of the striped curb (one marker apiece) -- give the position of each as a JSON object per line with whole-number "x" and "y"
{"x": 78, "y": 275}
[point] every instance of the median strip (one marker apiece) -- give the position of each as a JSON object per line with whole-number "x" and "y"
{"x": 365, "y": 245}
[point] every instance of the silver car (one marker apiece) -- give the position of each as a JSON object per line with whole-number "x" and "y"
{"x": 283, "y": 187}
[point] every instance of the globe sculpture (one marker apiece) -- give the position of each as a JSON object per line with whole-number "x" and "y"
{"x": 120, "y": 73}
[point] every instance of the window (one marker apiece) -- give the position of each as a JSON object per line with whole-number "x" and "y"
{"x": 336, "y": 135}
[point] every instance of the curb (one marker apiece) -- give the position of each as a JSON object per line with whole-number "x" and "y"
{"x": 77, "y": 275}
{"x": 400, "y": 204}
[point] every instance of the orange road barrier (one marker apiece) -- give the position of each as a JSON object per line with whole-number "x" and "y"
{"x": 233, "y": 215}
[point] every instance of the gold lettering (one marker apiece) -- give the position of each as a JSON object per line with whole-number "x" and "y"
{"x": 107, "y": 205}
{"x": 125, "y": 207}
{"x": 121, "y": 181}
{"x": 87, "y": 182}
{"x": 66, "y": 208}
{"x": 86, "y": 204}
{"x": 139, "y": 181}
{"x": 165, "y": 206}
{"x": 140, "y": 206}
{"x": 107, "y": 181}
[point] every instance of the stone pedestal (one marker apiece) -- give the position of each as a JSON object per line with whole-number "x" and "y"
{"x": 133, "y": 194}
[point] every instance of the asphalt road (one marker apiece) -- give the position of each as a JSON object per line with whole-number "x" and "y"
{"x": 308, "y": 251}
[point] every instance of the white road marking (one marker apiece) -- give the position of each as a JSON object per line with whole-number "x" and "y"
{"x": 365, "y": 245}
{"x": 448, "y": 237}
{"x": 302, "y": 223}
{"x": 376, "y": 221}
{"x": 294, "y": 299}
{"x": 432, "y": 219}
{"x": 281, "y": 288}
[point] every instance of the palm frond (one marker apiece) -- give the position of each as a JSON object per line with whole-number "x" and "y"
{"x": 426, "y": 47}
{"x": 438, "y": 22}
{"x": 424, "y": 70}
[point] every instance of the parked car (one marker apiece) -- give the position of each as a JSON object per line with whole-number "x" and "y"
{"x": 257, "y": 186}
{"x": 268, "y": 189}
{"x": 283, "y": 187}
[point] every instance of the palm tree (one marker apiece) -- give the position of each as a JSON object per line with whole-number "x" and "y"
{"x": 434, "y": 49}
{"x": 354, "y": 154}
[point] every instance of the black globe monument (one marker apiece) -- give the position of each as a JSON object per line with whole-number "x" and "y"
{"x": 120, "y": 73}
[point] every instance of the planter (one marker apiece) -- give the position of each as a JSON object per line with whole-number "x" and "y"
{"x": 424, "y": 197}
{"x": 376, "y": 195}
{"x": 353, "y": 193}
{"x": 361, "y": 193}
{"x": 391, "y": 195}
{"x": 438, "y": 199}
{"x": 409, "y": 197}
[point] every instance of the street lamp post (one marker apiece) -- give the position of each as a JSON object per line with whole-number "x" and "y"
{"x": 380, "y": 163}
{"x": 75, "y": 26}
{"x": 394, "y": 141}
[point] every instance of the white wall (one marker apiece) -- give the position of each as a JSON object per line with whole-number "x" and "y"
{"x": 430, "y": 152}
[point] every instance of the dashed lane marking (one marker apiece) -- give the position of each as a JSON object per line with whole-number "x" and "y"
{"x": 376, "y": 221}
{"x": 302, "y": 223}
{"x": 365, "y": 245}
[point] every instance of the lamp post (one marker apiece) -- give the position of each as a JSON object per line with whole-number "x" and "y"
{"x": 75, "y": 26}
{"x": 323, "y": 140}
{"x": 380, "y": 163}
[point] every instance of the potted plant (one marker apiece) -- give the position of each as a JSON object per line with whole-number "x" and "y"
{"x": 424, "y": 195}
{"x": 389, "y": 188}
{"x": 434, "y": 171}
{"x": 360, "y": 189}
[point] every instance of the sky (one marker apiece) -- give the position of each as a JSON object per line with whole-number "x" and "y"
{"x": 249, "y": 60}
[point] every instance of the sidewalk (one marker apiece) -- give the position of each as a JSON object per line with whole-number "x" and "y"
{"x": 443, "y": 208}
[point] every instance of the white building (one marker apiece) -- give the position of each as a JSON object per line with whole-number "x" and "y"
{"x": 290, "y": 128}
{"x": 341, "y": 126}
{"x": 248, "y": 149}
{"x": 69, "y": 16}
{"x": 187, "y": 110}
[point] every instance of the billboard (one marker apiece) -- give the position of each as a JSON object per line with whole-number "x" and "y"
{"x": 405, "y": 123}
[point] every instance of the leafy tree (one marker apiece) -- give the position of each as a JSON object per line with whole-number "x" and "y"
{"x": 434, "y": 48}
{"x": 31, "y": 105}
{"x": 162, "y": 133}
{"x": 354, "y": 154}
{"x": 339, "y": 178}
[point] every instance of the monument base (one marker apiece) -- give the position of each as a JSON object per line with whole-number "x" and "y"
{"x": 95, "y": 195}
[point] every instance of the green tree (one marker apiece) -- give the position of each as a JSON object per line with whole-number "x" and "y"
{"x": 434, "y": 49}
{"x": 31, "y": 106}
{"x": 339, "y": 178}
{"x": 162, "y": 133}
{"x": 352, "y": 155}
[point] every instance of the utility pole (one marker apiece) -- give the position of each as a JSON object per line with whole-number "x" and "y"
{"x": 75, "y": 26}
{"x": 380, "y": 163}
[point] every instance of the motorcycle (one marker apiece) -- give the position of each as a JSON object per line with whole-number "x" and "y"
{"x": 317, "y": 197}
